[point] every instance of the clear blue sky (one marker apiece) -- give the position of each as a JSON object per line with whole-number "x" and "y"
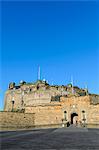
{"x": 61, "y": 37}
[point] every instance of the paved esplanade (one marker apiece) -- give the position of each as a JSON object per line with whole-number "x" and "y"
{"x": 39, "y": 139}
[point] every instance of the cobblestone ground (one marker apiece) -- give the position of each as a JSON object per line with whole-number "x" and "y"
{"x": 51, "y": 139}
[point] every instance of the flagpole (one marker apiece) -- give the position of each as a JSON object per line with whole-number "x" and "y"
{"x": 39, "y": 73}
{"x": 72, "y": 85}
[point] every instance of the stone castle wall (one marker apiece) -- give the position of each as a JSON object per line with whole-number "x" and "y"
{"x": 40, "y": 96}
{"x": 83, "y": 107}
{"x": 54, "y": 113}
{"x": 9, "y": 97}
{"x": 46, "y": 114}
{"x": 52, "y": 105}
{"x": 18, "y": 97}
{"x": 15, "y": 120}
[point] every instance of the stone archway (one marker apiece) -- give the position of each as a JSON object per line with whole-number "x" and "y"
{"x": 74, "y": 118}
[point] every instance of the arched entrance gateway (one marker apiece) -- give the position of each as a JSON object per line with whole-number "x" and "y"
{"x": 74, "y": 118}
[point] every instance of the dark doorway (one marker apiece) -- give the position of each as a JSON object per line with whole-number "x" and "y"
{"x": 72, "y": 116}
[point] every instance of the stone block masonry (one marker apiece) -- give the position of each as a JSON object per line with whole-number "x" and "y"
{"x": 41, "y": 104}
{"x": 67, "y": 110}
{"x": 46, "y": 114}
{"x": 15, "y": 120}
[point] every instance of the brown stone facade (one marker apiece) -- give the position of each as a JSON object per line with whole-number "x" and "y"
{"x": 18, "y": 97}
{"x": 15, "y": 120}
{"x": 74, "y": 110}
{"x": 53, "y": 105}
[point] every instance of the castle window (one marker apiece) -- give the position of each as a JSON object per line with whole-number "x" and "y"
{"x": 37, "y": 87}
{"x": 57, "y": 87}
{"x": 83, "y": 111}
{"x": 12, "y": 105}
{"x": 65, "y": 115}
{"x": 12, "y": 102}
{"x": 83, "y": 115}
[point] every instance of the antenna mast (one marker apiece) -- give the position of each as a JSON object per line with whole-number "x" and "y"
{"x": 39, "y": 73}
{"x": 72, "y": 85}
{"x": 86, "y": 89}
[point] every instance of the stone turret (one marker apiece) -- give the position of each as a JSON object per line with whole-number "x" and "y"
{"x": 22, "y": 82}
{"x": 11, "y": 85}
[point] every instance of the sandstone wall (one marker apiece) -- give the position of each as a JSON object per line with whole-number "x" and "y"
{"x": 29, "y": 98}
{"x": 83, "y": 107}
{"x": 76, "y": 105}
{"x": 55, "y": 112}
{"x": 46, "y": 115}
{"x": 12, "y": 96}
{"x": 93, "y": 114}
{"x": 16, "y": 120}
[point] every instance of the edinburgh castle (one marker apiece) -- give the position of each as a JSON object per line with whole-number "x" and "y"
{"x": 40, "y": 104}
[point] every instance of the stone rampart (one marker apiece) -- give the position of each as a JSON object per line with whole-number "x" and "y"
{"x": 46, "y": 115}
{"x": 54, "y": 112}
{"x": 15, "y": 120}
